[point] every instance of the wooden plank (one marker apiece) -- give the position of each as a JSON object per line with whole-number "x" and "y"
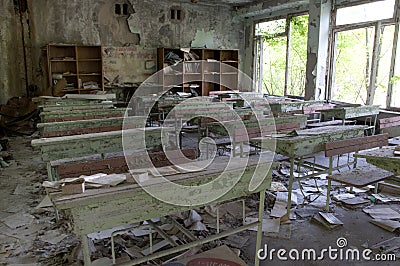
{"x": 104, "y": 97}
{"x": 98, "y": 143}
{"x": 314, "y": 108}
{"x": 355, "y": 144}
{"x": 351, "y": 112}
{"x": 81, "y": 106}
{"x": 361, "y": 176}
{"x": 117, "y": 165}
{"x": 389, "y": 122}
{"x": 67, "y": 128}
{"x": 58, "y": 116}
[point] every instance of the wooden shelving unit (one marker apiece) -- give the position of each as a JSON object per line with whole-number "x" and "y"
{"x": 81, "y": 66}
{"x": 210, "y": 70}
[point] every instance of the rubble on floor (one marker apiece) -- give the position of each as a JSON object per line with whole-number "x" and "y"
{"x": 30, "y": 232}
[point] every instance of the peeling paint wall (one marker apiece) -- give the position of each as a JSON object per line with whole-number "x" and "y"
{"x": 94, "y": 22}
{"x": 12, "y": 78}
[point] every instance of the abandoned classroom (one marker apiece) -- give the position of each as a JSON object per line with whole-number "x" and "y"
{"x": 199, "y": 132}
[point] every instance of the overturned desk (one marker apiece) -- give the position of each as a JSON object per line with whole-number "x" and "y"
{"x": 102, "y": 209}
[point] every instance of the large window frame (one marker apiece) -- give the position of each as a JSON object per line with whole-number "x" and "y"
{"x": 377, "y": 25}
{"x": 258, "y": 52}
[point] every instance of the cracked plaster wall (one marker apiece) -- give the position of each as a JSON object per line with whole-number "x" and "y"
{"x": 93, "y": 22}
{"x": 12, "y": 78}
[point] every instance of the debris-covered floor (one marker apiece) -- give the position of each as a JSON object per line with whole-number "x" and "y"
{"x": 30, "y": 233}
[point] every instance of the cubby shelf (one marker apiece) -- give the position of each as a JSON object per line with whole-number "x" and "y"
{"x": 77, "y": 64}
{"x": 212, "y": 68}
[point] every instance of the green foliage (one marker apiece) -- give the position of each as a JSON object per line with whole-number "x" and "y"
{"x": 274, "y": 35}
{"x": 394, "y": 80}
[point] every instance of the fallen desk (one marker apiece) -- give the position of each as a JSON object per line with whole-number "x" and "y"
{"x": 383, "y": 158}
{"x": 101, "y": 209}
{"x": 308, "y": 142}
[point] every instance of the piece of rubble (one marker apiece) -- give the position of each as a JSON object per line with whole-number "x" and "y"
{"x": 18, "y": 220}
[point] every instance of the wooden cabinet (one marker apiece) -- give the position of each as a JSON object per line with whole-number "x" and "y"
{"x": 81, "y": 66}
{"x": 202, "y": 70}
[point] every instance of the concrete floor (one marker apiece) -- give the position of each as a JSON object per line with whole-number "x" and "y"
{"x": 28, "y": 171}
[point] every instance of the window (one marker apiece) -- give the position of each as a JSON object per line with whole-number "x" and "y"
{"x": 281, "y": 54}
{"x": 121, "y": 9}
{"x": 367, "y": 12}
{"x": 362, "y": 52}
{"x": 117, "y": 9}
{"x": 176, "y": 14}
{"x": 353, "y": 57}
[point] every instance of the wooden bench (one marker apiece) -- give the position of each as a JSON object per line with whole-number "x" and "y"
{"x": 358, "y": 176}
{"x": 116, "y": 164}
{"x": 71, "y": 115}
{"x": 76, "y": 127}
{"x": 76, "y": 106}
{"x": 98, "y": 144}
{"x": 313, "y": 114}
{"x": 390, "y": 125}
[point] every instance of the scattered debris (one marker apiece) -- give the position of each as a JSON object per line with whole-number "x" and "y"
{"x": 386, "y": 198}
{"x": 382, "y": 213}
{"x": 306, "y": 211}
{"x": 45, "y": 203}
{"x": 387, "y": 245}
{"x": 345, "y": 196}
{"x": 278, "y": 187}
{"x": 285, "y": 231}
{"x": 18, "y": 220}
{"x": 388, "y": 225}
{"x": 328, "y": 220}
{"x": 356, "y": 202}
{"x": 53, "y": 237}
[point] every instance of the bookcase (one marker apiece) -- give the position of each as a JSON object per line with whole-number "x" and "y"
{"x": 81, "y": 66}
{"x": 201, "y": 70}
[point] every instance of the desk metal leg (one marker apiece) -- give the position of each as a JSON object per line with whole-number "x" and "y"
{"x": 328, "y": 191}
{"x": 290, "y": 188}
{"x": 259, "y": 229}
{"x": 85, "y": 250}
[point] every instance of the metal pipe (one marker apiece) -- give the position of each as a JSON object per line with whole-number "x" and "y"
{"x": 259, "y": 229}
